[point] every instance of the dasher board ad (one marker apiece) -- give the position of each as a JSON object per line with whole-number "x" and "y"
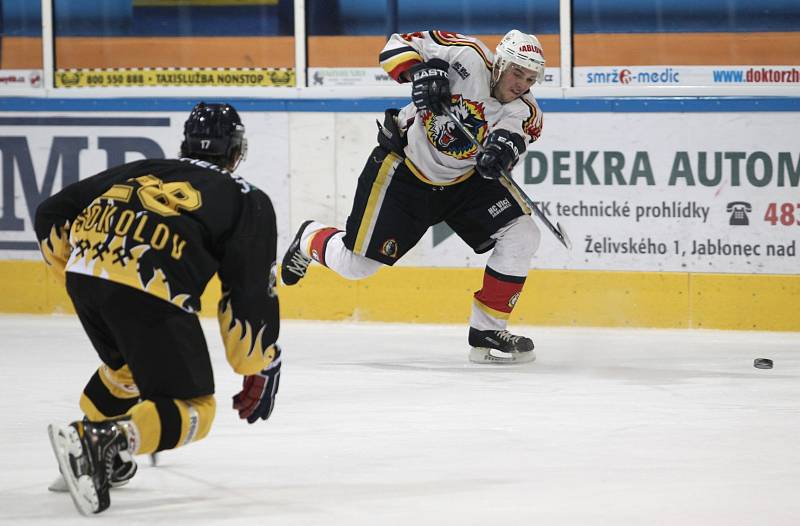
{"x": 697, "y": 192}
{"x": 693, "y": 192}
{"x": 43, "y": 152}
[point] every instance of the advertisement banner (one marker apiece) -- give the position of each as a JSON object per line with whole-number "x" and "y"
{"x": 687, "y": 76}
{"x": 150, "y": 77}
{"x": 679, "y": 192}
{"x": 697, "y": 192}
{"x": 43, "y": 152}
{"x": 378, "y": 77}
{"x": 20, "y": 78}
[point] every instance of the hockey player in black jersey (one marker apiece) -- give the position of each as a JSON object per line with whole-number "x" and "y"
{"x": 424, "y": 171}
{"x": 136, "y": 246}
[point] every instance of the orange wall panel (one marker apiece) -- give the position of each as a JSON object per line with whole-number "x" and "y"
{"x": 343, "y": 51}
{"x": 138, "y": 52}
{"x": 363, "y": 51}
{"x": 20, "y": 53}
{"x": 687, "y": 49}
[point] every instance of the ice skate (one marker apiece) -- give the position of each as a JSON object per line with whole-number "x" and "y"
{"x": 86, "y": 453}
{"x": 123, "y": 471}
{"x": 295, "y": 263}
{"x": 499, "y": 347}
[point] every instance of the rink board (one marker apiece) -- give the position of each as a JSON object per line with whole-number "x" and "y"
{"x": 686, "y": 215}
{"x": 444, "y": 295}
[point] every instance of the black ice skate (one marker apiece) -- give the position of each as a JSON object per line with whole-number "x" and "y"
{"x": 295, "y": 263}
{"x": 86, "y": 453}
{"x": 122, "y": 472}
{"x": 500, "y": 347}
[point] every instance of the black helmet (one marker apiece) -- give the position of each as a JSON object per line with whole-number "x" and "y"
{"x": 215, "y": 133}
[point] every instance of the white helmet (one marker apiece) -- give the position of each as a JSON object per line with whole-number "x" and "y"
{"x": 520, "y": 49}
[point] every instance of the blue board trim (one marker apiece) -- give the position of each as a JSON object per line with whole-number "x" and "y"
{"x": 583, "y": 105}
{"x": 85, "y": 121}
{"x": 19, "y": 245}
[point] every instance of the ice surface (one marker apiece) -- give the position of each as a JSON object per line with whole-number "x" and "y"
{"x": 383, "y": 424}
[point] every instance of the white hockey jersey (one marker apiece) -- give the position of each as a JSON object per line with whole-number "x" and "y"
{"x": 438, "y": 154}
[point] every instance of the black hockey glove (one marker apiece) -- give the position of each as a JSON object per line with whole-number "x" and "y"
{"x": 431, "y": 87}
{"x": 257, "y": 397}
{"x": 500, "y": 151}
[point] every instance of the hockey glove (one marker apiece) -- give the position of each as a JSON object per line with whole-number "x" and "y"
{"x": 501, "y": 151}
{"x": 257, "y": 397}
{"x": 431, "y": 87}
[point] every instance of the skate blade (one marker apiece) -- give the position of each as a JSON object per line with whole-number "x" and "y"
{"x": 66, "y": 443}
{"x": 485, "y": 355}
{"x": 59, "y": 485}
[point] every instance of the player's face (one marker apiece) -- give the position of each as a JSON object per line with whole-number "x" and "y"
{"x": 514, "y": 81}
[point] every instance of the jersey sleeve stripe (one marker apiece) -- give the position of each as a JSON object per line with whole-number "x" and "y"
{"x": 389, "y": 53}
{"x": 530, "y": 120}
{"x": 443, "y": 40}
{"x": 395, "y": 62}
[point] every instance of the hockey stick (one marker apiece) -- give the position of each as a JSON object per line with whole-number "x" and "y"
{"x": 556, "y": 229}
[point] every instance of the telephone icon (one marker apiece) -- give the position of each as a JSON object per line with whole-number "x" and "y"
{"x": 739, "y": 211}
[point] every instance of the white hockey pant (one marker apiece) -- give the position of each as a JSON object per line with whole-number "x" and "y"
{"x": 516, "y": 243}
{"x": 339, "y": 258}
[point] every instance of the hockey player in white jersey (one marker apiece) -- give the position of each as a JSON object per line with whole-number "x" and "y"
{"x": 424, "y": 171}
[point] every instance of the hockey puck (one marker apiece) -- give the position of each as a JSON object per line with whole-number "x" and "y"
{"x": 762, "y": 363}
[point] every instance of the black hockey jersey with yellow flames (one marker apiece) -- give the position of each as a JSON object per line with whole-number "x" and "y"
{"x": 165, "y": 227}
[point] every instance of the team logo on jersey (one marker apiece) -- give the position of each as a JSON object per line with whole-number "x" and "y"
{"x": 460, "y": 69}
{"x": 389, "y": 248}
{"x": 444, "y": 135}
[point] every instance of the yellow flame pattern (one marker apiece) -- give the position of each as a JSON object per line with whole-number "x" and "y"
{"x": 56, "y": 249}
{"x": 129, "y": 271}
{"x": 244, "y": 350}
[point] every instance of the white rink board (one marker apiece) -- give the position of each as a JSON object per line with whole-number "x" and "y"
{"x": 681, "y": 177}
{"x": 636, "y": 170}
{"x": 352, "y": 76}
{"x": 40, "y": 153}
{"x": 635, "y": 191}
{"x": 20, "y": 78}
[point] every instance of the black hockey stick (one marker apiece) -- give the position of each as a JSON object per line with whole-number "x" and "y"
{"x": 556, "y": 229}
